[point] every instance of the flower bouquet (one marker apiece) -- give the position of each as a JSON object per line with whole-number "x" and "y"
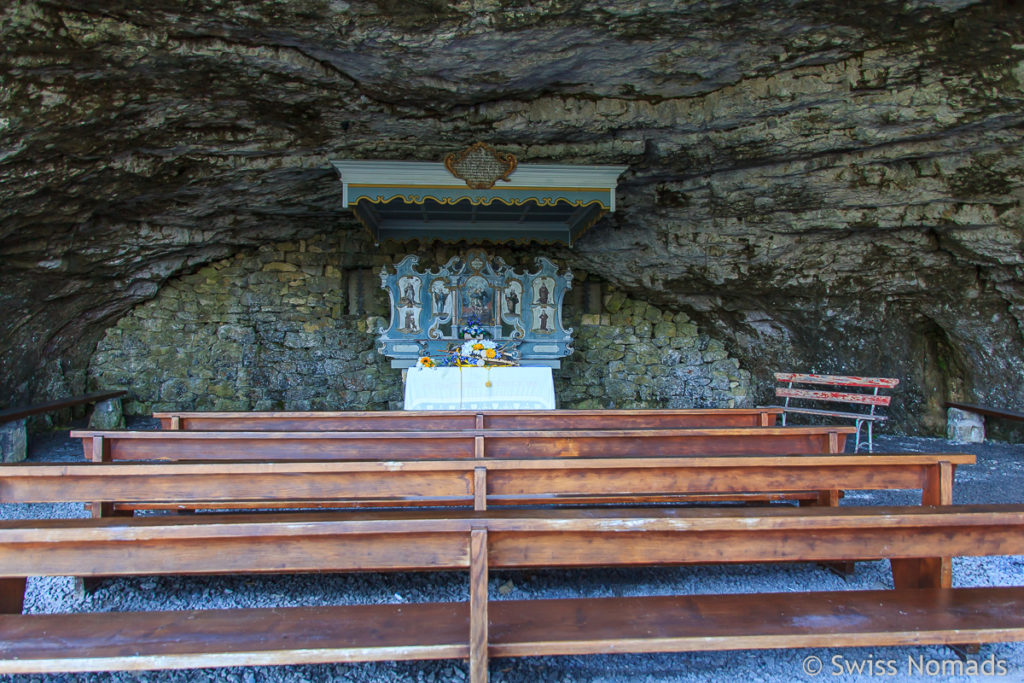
{"x": 474, "y": 329}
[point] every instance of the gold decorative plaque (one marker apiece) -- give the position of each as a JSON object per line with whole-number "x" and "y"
{"x": 480, "y": 165}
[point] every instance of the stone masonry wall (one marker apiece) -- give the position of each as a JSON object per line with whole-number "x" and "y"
{"x": 270, "y": 329}
{"x": 635, "y": 355}
{"x": 286, "y": 327}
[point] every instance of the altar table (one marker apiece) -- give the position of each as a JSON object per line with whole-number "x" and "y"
{"x": 522, "y": 388}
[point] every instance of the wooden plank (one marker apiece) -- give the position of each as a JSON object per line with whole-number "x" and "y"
{"x": 227, "y": 486}
{"x": 599, "y": 538}
{"x": 24, "y": 411}
{"x": 478, "y": 611}
{"x": 358, "y": 422}
{"x": 653, "y": 480}
{"x": 327, "y": 467}
{"x": 232, "y": 637}
{"x": 988, "y": 411}
{"x": 183, "y": 445}
{"x": 755, "y": 520}
{"x": 834, "y": 396}
{"x": 566, "y": 548}
{"x": 458, "y": 420}
{"x": 480, "y": 488}
{"x": 665, "y": 442}
{"x": 349, "y": 541}
{"x": 229, "y": 544}
{"x": 838, "y": 380}
{"x": 455, "y": 481}
{"x": 306, "y": 635}
{"x": 760, "y": 497}
{"x": 639, "y": 419}
{"x": 838, "y": 413}
{"x": 734, "y": 622}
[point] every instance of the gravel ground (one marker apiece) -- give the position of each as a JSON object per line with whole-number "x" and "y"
{"x": 998, "y": 477}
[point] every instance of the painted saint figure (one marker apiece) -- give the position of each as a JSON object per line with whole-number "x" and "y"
{"x": 543, "y": 316}
{"x": 440, "y": 294}
{"x": 512, "y": 301}
{"x": 542, "y": 294}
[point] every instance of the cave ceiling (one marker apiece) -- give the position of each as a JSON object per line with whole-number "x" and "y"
{"x": 834, "y": 185}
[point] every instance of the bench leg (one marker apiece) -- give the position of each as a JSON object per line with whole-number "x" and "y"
{"x": 929, "y": 572}
{"x": 478, "y": 614}
{"x": 12, "y": 595}
{"x": 87, "y": 584}
{"x": 922, "y": 572}
{"x": 830, "y": 498}
{"x": 938, "y": 490}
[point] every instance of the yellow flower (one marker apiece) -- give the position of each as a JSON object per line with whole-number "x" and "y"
{"x": 490, "y": 353}
{"x": 477, "y": 346}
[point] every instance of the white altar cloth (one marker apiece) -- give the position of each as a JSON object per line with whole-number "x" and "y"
{"x": 466, "y": 389}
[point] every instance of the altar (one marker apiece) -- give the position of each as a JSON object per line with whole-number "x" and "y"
{"x": 486, "y": 388}
{"x": 476, "y": 333}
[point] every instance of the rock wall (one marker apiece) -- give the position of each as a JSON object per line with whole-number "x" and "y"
{"x": 829, "y": 187}
{"x": 638, "y": 356}
{"x": 290, "y": 326}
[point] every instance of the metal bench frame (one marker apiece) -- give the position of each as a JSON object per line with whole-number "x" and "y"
{"x": 872, "y": 399}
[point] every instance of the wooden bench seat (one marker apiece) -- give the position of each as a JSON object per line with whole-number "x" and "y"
{"x": 838, "y": 389}
{"x": 987, "y": 411}
{"x": 450, "y": 420}
{"x": 10, "y": 414}
{"x": 13, "y": 433}
{"x": 509, "y": 444}
{"x": 915, "y": 613}
{"x": 361, "y": 633}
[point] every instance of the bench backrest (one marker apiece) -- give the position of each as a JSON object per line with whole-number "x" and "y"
{"x": 421, "y": 420}
{"x": 476, "y": 483}
{"x": 177, "y": 445}
{"x": 872, "y": 399}
{"x": 11, "y": 414}
{"x": 345, "y": 541}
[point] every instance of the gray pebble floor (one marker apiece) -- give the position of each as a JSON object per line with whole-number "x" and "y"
{"x": 998, "y": 477}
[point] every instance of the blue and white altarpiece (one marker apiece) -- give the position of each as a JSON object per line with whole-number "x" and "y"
{"x": 432, "y": 310}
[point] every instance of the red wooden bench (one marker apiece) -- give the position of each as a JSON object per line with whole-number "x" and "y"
{"x": 869, "y": 399}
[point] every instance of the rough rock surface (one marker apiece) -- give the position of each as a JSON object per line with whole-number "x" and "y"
{"x": 283, "y": 328}
{"x": 832, "y": 187}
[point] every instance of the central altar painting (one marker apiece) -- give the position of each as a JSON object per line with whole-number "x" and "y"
{"x": 473, "y": 296}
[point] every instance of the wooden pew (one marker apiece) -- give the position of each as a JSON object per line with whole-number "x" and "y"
{"x": 481, "y": 484}
{"x": 183, "y": 445}
{"x": 914, "y": 613}
{"x": 450, "y": 420}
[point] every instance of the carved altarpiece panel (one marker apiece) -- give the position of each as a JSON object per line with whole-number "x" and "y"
{"x": 431, "y": 310}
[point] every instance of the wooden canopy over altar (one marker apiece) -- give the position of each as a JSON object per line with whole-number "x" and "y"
{"x": 477, "y": 195}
